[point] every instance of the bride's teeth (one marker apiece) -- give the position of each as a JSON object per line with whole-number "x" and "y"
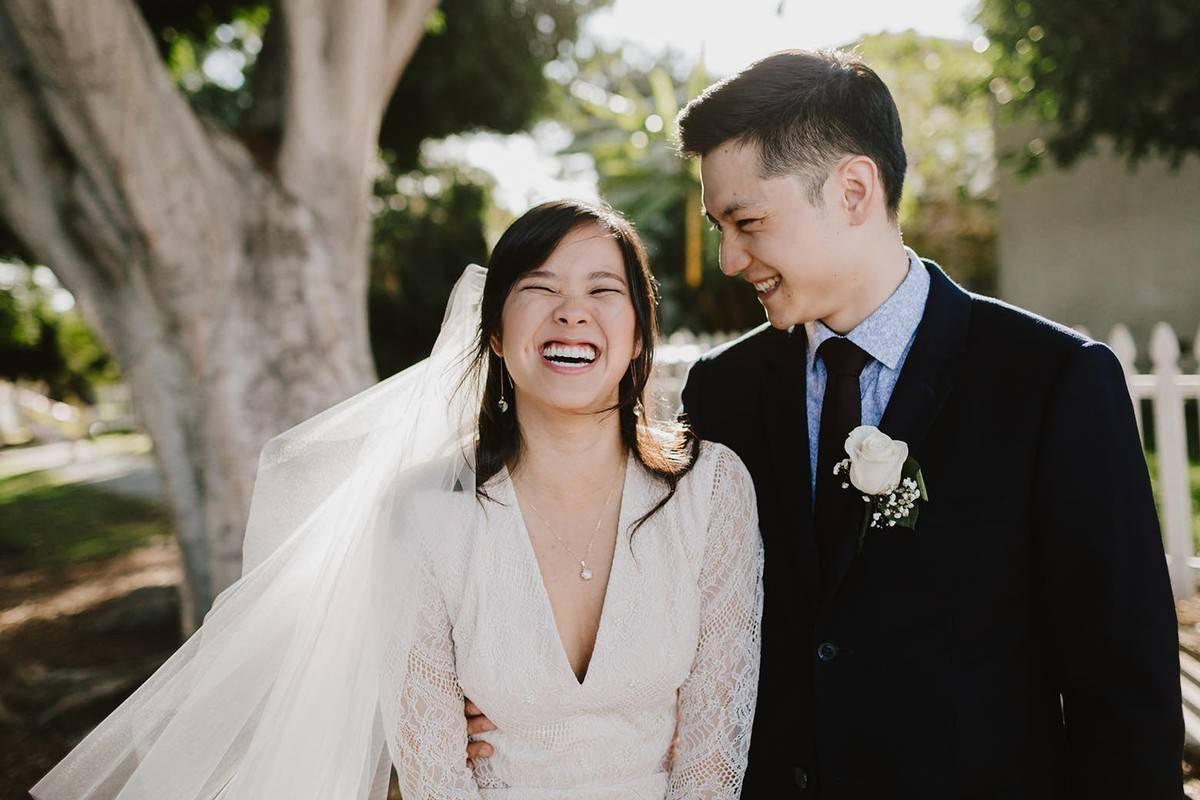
{"x": 585, "y": 353}
{"x": 767, "y": 286}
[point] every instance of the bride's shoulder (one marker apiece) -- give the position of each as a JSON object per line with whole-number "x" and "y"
{"x": 717, "y": 474}
{"x": 717, "y": 462}
{"x": 716, "y": 503}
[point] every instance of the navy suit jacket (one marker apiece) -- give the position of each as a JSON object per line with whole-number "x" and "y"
{"x": 1021, "y": 642}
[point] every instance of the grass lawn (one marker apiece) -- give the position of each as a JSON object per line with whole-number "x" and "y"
{"x": 46, "y": 524}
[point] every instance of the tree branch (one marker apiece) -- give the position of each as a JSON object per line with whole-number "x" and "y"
{"x": 35, "y": 179}
{"x": 406, "y": 26}
{"x": 343, "y": 62}
{"x": 134, "y": 140}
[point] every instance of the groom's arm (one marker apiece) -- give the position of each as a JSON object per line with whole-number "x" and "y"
{"x": 1112, "y": 641}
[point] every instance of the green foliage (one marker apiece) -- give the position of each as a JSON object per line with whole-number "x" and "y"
{"x": 428, "y": 227}
{"x": 481, "y": 66}
{"x": 214, "y": 67}
{"x": 40, "y": 342}
{"x": 1098, "y": 69}
{"x": 193, "y": 18}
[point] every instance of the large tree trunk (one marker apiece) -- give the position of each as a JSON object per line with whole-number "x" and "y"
{"x": 227, "y": 274}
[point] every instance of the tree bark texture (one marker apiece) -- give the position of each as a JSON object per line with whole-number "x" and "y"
{"x": 226, "y": 271}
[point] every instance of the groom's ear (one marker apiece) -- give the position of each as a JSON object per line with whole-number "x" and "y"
{"x": 859, "y": 188}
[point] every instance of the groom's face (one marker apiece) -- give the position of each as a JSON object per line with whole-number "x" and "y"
{"x": 774, "y": 237}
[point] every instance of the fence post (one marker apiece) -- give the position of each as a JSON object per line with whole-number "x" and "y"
{"x": 1171, "y": 450}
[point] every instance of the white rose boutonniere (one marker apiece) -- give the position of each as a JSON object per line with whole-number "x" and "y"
{"x": 890, "y": 481}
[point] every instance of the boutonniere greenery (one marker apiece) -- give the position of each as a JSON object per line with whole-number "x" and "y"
{"x": 888, "y": 479}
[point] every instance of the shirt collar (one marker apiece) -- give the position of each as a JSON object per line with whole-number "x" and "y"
{"x": 884, "y": 334}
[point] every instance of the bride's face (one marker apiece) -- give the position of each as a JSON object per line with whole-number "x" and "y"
{"x": 568, "y": 328}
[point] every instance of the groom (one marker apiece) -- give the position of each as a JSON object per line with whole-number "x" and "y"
{"x": 1020, "y": 641}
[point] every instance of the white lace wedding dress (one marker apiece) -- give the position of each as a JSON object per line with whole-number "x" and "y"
{"x": 679, "y": 633}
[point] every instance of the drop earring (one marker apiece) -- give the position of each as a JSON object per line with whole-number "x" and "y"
{"x": 502, "y": 404}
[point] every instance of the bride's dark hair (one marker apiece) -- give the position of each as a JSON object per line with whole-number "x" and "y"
{"x": 666, "y": 449}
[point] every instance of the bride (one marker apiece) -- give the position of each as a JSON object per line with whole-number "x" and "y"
{"x": 500, "y": 522}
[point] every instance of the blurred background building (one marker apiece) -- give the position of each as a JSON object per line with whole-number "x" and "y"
{"x": 1098, "y": 243}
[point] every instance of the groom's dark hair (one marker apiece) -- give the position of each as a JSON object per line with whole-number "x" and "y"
{"x": 804, "y": 110}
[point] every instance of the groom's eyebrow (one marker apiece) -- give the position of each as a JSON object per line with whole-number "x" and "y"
{"x": 736, "y": 205}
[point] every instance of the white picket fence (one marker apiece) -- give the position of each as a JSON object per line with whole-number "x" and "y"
{"x": 1166, "y": 386}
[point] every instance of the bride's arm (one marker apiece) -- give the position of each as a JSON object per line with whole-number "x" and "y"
{"x": 431, "y": 732}
{"x": 716, "y": 702}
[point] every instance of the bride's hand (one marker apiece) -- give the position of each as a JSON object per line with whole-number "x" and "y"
{"x": 476, "y": 723}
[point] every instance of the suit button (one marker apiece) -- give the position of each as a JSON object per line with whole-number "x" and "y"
{"x": 827, "y": 651}
{"x": 801, "y": 778}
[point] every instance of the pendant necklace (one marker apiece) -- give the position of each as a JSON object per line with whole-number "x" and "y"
{"x": 585, "y": 572}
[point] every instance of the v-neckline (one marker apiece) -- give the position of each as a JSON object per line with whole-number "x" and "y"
{"x": 547, "y": 606}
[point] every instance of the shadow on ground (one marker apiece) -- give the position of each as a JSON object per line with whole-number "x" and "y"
{"x": 74, "y": 643}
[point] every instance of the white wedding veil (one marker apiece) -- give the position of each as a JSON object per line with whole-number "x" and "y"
{"x": 278, "y": 695}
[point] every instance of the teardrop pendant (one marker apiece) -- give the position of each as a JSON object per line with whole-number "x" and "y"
{"x": 585, "y": 572}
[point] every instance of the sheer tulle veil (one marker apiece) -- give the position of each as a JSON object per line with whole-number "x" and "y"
{"x": 279, "y": 693}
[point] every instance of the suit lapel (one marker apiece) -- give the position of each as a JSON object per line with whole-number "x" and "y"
{"x": 929, "y": 372}
{"x": 786, "y": 418}
{"x": 926, "y": 379}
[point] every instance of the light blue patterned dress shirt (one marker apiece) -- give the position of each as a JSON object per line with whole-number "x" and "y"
{"x": 886, "y": 335}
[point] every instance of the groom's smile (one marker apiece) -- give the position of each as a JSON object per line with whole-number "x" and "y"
{"x": 765, "y": 287}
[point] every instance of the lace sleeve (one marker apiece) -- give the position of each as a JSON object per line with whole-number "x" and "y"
{"x": 431, "y": 736}
{"x": 716, "y": 702}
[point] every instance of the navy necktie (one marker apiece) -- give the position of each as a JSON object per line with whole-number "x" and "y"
{"x": 841, "y": 412}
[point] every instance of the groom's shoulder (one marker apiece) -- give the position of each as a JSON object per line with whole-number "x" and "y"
{"x": 1001, "y": 328}
{"x": 995, "y": 317}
